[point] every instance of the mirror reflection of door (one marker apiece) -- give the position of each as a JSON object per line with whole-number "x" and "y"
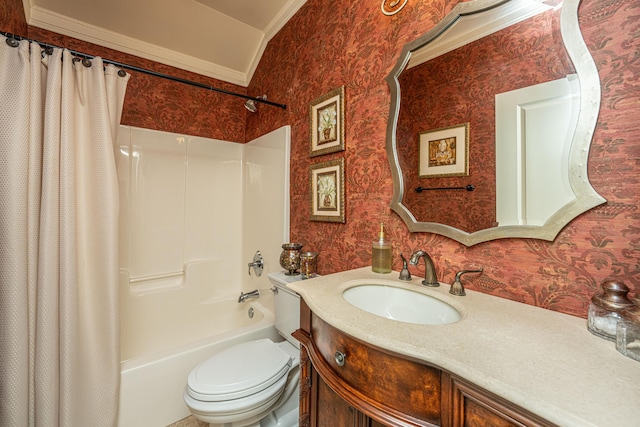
{"x": 534, "y": 130}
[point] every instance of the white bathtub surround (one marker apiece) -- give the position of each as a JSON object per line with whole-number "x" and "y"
{"x": 58, "y": 247}
{"x": 181, "y": 202}
{"x": 265, "y": 207}
{"x": 193, "y": 213}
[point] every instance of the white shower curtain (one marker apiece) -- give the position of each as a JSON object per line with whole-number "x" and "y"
{"x": 59, "y": 332}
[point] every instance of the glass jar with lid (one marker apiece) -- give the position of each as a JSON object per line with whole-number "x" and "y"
{"x": 628, "y": 332}
{"x": 606, "y": 308}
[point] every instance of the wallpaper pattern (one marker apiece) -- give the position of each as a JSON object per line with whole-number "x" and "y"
{"x": 330, "y": 44}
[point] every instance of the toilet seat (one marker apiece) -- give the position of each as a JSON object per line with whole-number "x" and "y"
{"x": 255, "y": 380}
{"x": 243, "y": 370}
{"x": 225, "y": 411}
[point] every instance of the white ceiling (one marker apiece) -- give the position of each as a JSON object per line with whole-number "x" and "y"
{"x": 223, "y": 39}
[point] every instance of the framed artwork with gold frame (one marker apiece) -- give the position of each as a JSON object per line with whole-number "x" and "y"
{"x": 326, "y": 191}
{"x": 326, "y": 123}
{"x": 445, "y": 152}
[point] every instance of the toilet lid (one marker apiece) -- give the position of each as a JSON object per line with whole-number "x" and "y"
{"x": 239, "y": 371}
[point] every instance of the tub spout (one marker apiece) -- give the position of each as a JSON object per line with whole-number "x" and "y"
{"x": 253, "y": 294}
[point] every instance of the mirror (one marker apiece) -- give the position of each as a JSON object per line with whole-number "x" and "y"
{"x": 473, "y": 101}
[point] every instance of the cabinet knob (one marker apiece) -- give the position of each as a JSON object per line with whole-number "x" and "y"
{"x": 340, "y": 358}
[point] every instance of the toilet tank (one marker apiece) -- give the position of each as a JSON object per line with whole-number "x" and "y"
{"x": 287, "y": 305}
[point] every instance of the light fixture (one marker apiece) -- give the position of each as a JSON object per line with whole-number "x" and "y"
{"x": 251, "y": 104}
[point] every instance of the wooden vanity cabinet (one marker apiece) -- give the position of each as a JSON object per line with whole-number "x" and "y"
{"x": 371, "y": 388}
{"x": 347, "y": 383}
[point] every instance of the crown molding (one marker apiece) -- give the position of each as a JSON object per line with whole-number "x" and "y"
{"x": 45, "y": 19}
{"x": 276, "y": 24}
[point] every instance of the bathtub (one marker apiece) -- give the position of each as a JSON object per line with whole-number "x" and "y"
{"x": 152, "y": 382}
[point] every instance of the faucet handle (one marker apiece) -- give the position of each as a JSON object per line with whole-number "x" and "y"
{"x": 404, "y": 274}
{"x": 457, "y": 288}
{"x": 257, "y": 264}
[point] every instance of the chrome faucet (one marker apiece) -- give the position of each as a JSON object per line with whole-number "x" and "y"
{"x": 253, "y": 294}
{"x": 257, "y": 264}
{"x": 430, "y": 278}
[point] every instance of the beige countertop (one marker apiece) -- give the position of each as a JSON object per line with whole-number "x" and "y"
{"x": 544, "y": 361}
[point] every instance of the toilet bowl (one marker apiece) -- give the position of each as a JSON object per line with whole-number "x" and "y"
{"x": 254, "y": 383}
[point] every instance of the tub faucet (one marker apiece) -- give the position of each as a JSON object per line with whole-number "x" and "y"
{"x": 430, "y": 278}
{"x": 253, "y": 294}
{"x": 257, "y": 264}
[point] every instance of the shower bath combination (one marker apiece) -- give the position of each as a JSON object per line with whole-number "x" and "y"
{"x": 181, "y": 306}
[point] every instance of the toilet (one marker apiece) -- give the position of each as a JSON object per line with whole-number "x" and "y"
{"x": 255, "y": 383}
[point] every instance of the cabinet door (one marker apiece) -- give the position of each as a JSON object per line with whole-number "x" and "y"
{"x": 391, "y": 389}
{"x": 328, "y": 409}
{"x": 320, "y": 406}
{"x": 475, "y": 407}
{"x": 331, "y": 410}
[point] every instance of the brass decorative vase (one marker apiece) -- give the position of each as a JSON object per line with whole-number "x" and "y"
{"x": 290, "y": 258}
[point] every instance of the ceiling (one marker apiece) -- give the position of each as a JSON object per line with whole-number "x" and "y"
{"x": 223, "y": 39}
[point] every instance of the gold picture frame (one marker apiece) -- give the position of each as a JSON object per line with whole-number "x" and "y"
{"x": 326, "y": 123}
{"x": 326, "y": 191}
{"x": 444, "y": 152}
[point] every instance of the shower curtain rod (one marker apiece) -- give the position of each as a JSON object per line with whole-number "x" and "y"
{"x": 145, "y": 71}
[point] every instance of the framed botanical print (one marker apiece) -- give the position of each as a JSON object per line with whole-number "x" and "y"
{"x": 326, "y": 118}
{"x": 326, "y": 191}
{"x": 445, "y": 152}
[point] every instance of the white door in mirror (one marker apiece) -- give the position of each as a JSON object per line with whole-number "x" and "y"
{"x": 534, "y": 130}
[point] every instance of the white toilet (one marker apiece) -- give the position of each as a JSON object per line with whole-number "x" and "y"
{"x": 254, "y": 383}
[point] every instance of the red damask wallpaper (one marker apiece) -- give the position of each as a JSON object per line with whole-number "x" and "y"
{"x": 330, "y": 44}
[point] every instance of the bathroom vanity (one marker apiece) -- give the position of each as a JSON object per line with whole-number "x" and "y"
{"x": 502, "y": 364}
{"x": 374, "y": 387}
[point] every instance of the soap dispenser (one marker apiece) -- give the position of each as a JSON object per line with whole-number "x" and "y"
{"x": 381, "y": 253}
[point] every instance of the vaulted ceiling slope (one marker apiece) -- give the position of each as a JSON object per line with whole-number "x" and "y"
{"x": 223, "y": 39}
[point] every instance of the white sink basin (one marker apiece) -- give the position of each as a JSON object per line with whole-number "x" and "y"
{"x": 401, "y": 304}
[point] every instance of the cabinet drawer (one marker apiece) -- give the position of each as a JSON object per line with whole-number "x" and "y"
{"x": 411, "y": 388}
